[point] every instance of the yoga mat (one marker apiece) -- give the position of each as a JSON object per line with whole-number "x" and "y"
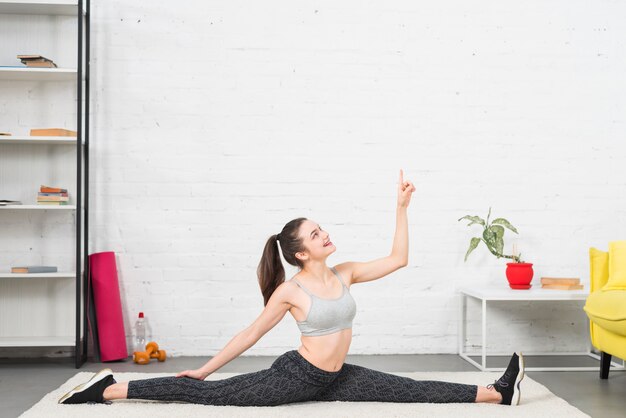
{"x": 106, "y": 292}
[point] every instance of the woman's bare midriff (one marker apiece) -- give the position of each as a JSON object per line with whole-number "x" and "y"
{"x": 327, "y": 352}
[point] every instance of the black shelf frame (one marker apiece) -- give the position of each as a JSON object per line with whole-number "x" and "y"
{"x": 82, "y": 181}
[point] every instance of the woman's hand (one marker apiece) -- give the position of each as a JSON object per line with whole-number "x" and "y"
{"x": 405, "y": 190}
{"x": 194, "y": 374}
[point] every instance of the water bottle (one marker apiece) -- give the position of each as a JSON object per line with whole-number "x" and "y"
{"x": 142, "y": 333}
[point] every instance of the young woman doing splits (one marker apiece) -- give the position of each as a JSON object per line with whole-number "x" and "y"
{"x": 318, "y": 297}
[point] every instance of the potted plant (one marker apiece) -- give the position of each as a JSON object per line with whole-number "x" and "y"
{"x": 518, "y": 273}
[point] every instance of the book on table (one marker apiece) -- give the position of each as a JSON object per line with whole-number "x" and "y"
{"x": 34, "y": 269}
{"x": 563, "y": 286}
{"x": 560, "y": 280}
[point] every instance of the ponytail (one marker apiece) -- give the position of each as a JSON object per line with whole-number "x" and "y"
{"x": 271, "y": 272}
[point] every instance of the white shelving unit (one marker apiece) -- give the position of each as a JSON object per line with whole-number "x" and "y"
{"x": 44, "y": 309}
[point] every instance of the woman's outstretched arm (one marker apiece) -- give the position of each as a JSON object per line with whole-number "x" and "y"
{"x": 274, "y": 311}
{"x": 399, "y": 257}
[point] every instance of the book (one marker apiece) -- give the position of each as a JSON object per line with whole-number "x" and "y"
{"x": 560, "y": 280}
{"x": 42, "y": 64}
{"x": 52, "y": 199}
{"x": 48, "y": 189}
{"x": 51, "y": 194}
{"x": 32, "y": 57}
{"x": 563, "y": 286}
{"x": 36, "y": 61}
{"x": 52, "y": 132}
{"x": 9, "y": 202}
{"x": 34, "y": 269}
{"x": 51, "y": 203}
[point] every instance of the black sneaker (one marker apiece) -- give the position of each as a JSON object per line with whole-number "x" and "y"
{"x": 90, "y": 391}
{"x": 508, "y": 384}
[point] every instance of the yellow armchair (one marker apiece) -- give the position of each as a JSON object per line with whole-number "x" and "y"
{"x": 606, "y": 304}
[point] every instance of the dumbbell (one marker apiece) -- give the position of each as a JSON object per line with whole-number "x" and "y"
{"x": 152, "y": 351}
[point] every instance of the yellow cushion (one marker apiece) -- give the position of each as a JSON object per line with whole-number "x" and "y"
{"x": 599, "y": 262}
{"x": 617, "y": 266}
{"x": 608, "y": 310}
{"x": 607, "y": 341}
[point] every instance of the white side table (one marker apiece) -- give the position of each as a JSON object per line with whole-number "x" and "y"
{"x": 486, "y": 294}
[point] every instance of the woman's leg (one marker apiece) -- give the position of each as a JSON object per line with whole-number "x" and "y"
{"x": 356, "y": 383}
{"x": 262, "y": 388}
{"x": 488, "y": 395}
{"x": 289, "y": 379}
{"x": 116, "y": 391}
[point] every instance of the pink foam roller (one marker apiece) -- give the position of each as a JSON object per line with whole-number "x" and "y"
{"x": 106, "y": 294}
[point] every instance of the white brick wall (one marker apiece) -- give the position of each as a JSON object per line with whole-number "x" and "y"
{"x": 217, "y": 122}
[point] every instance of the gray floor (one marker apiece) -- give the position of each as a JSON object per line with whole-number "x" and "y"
{"x": 24, "y": 382}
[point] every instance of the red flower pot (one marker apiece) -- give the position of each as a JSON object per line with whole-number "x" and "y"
{"x": 519, "y": 275}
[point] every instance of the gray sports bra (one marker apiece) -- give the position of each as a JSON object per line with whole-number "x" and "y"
{"x": 327, "y": 316}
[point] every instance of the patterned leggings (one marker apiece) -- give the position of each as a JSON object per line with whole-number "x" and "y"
{"x": 291, "y": 378}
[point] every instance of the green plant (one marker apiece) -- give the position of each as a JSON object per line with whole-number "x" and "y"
{"x": 493, "y": 236}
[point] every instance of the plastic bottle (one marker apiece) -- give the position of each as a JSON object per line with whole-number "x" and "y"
{"x": 142, "y": 333}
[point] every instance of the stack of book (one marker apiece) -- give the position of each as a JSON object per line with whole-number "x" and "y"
{"x": 52, "y": 196}
{"x": 36, "y": 61}
{"x": 561, "y": 283}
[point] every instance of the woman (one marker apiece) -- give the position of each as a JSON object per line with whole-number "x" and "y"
{"x": 319, "y": 299}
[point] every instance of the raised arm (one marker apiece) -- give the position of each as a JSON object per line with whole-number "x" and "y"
{"x": 273, "y": 312}
{"x": 399, "y": 257}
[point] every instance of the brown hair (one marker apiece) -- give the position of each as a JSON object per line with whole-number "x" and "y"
{"x": 271, "y": 272}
